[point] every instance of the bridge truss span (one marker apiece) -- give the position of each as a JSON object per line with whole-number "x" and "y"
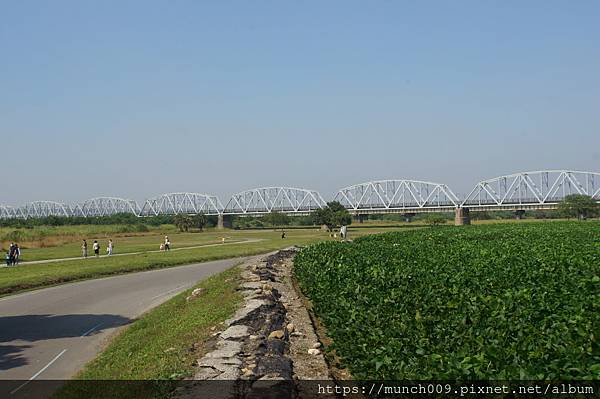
{"x": 8, "y": 212}
{"x": 182, "y": 203}
{"x": 397, "y": 196}
{"x": 533, "y": 189}
{"x": 289, "y": 200}
{"x": 42, "y": 209}
{"x": 107, "y": 206}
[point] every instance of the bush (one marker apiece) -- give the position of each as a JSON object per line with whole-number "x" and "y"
{"x": 435, "y": 220}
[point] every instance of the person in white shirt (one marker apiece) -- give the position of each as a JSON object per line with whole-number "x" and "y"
{"x": 109, "y": 249}
{"x": 96, "y": 248}
{"x": 344, "y": 232}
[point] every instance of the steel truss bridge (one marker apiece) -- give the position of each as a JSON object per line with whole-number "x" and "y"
{"x": 182, "y": 203}
{"x": 280, "y": 199}
{"x": 516, "y": 192}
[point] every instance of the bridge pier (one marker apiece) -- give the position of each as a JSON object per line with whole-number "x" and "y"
{"x": 224, "y": 221}
{"x": 461, "y": 217}
{"x": 361, "y": 217}
{"x": 519, "y": 213}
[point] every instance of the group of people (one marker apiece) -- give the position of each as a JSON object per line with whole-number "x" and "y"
{"x": 96, "y": 248}
{"x": 13, "y": 254}
{"x": 166, "y": 246}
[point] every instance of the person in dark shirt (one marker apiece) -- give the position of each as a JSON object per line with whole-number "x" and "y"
{"x": 11, "y": 253}
{"x": 17, "y": 255}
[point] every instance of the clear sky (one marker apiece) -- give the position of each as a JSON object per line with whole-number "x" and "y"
{"x": 137, "y": 98}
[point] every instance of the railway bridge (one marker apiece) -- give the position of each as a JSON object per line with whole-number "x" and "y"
{"x": 518, "y": 192}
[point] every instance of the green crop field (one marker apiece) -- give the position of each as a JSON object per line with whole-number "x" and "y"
{"x": 506, "y": 301}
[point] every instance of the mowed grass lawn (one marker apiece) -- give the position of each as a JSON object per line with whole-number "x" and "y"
{"x": 25, "y": 277}
{"x": 132, "y": 242}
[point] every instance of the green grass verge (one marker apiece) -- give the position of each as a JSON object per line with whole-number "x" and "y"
{"x": 161, "y": 345}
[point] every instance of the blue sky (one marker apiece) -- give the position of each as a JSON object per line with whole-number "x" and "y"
{"x": 136, "y": 98}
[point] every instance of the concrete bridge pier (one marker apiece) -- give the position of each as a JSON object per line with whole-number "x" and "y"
{"x": 361, "y": 217}
{"x": 462, "y": 217}
{"x": 224, "y": 221}
{"x": 519, "y": 213}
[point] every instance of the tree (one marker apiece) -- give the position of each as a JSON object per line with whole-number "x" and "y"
{"x": 199, "y": 221}
{"x": 333, "y": 215}
{"x": 183, "y": 222}
{"x": 579, "y": 206}
{"x": 276, "y": 219}
{"x": 433, "y": 219}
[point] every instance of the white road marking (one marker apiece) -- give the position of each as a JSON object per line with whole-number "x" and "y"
{"x": 38, "y": 373}
{"x": 90, "y": 330}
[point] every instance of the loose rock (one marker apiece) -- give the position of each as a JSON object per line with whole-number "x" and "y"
{"x": 195, "y": 294}
{"x": 235, "y": 332}
{"x": 290, "y": 328}
{"x": 277, "y": 334}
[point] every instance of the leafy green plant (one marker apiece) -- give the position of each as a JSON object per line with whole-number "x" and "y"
{"x": 483, "y": 302}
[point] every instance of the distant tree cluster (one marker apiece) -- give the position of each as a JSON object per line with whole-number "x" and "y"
{"x": 119, "y": 218}
{"x": 276, "y": 219}
{"x": 187, "y": 222}
{"x": 578, "y": 206}
{"x": 435, "y": 219}
{"x": 332, "y": 216}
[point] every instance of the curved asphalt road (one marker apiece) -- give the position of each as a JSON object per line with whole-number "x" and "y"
{"x": 53, "y": 332}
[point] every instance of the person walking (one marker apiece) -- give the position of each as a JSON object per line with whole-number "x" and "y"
{"x": 84, "y": 251}
{"x": 344, "y": 232}
{"x": 96, "y": 248}
{"x": 109, "y": 249}
{"x": 282, "y": 234}
{"x": 13, "y": 253}
{"x": 17, "y": 254}
{"x": 167, "y": 243}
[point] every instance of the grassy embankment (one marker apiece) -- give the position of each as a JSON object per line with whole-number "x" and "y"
{"x": 26, "y": 277}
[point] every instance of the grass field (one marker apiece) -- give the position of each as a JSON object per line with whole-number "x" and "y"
{"x": 47, "y": 237}
{"x": 505, "y": 301}
{"x": 26, "y": 277}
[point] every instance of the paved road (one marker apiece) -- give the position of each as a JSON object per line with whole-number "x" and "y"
{"x": 52, "y": 333}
